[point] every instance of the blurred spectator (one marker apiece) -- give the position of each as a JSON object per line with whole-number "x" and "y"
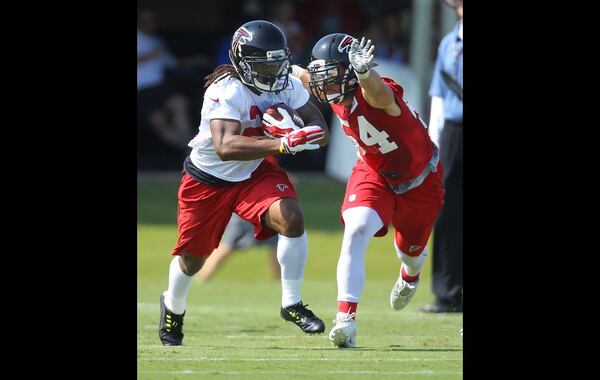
{"x": 338, "y": 15}
{"x": 238, "y": 12}
{"x": 374, "y": 32}
{"x": 405, "y": 31}
{"x": 323, "y": 17}
{"x": 385, "y": 33}
{"x": 166, "y": 111}
{"x": 447, "y": 117}
{"x": 284, "y": 17}
{"x": 390, "y": 48}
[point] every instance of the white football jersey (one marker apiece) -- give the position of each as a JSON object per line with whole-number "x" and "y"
{"x": 229, "y": 98}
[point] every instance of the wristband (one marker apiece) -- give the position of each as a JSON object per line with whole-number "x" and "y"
{"x": 363, "y": 75}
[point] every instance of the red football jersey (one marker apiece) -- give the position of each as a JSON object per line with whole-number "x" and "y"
{"x": 397, "y": 147}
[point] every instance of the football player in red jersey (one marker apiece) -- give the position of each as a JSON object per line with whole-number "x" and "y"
{"x": 397, "y": 178}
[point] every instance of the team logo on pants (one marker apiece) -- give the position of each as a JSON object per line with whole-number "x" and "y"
{"x": 414, "y": 248}
{"x": 282, "y": 186}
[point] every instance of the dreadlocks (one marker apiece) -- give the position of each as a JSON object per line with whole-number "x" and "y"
{"x": 220, "y": 71}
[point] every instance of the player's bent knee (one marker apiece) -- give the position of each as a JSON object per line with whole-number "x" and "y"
{"x": 361, "y": 222}
{"x": 358, "y": 229}
{"x": 292, "y": 220}
{"x": 292, "y": 226}
{"x": 190, "y": 265}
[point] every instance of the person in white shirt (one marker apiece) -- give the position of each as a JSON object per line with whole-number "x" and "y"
{"x": 159, "y": 106}
{"x": 226, "y": 172}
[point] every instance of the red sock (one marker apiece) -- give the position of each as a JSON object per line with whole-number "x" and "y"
{"x": 408, "y": 278}
{"x": 347, "y": 307}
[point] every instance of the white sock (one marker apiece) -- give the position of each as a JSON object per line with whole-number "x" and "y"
{"x": 179, "y": 286}
{"x": 412, "y": 264}
{"x": 291, "y": 254}
{"x": 361, "y": 224}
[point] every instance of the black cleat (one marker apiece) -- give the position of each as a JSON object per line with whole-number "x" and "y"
{"x": 171, "y": 324}
{"x": 303, "y": 318}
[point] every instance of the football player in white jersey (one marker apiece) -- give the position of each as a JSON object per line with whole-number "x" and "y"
{"x": 225, "y": 172}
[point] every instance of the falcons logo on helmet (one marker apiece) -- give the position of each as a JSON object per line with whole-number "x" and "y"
{"x": 344, "y": 46}
{"x": 240, "y": 37}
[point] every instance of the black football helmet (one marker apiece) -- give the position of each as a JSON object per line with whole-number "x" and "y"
{"x": 330, "y": 65}
{"x": 260, "y": 55}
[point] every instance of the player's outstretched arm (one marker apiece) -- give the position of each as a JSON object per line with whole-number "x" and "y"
{"x": 375, "y": 92}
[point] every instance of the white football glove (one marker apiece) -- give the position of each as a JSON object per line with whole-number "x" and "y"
{"x": 276, "y": 129}
{"x": 301, "y": 139}
{"x": 361, "y": 55}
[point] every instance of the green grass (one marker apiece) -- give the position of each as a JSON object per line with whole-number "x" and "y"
{"x": 232, "y": 325}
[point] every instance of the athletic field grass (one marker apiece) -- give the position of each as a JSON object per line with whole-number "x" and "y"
{"x": 232, "y": 325}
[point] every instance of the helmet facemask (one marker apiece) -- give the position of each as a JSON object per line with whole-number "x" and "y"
{"x": 268, "y": 73}
{"x": 324, "y": 75}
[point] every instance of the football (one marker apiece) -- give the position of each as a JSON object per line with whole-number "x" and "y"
{"x": 292, "y": 112}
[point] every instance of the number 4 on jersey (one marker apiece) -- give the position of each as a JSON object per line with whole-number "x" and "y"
{"x": 371, "y": 136}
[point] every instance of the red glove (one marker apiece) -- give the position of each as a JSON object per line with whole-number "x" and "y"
{"x": 301, "y": 139}
{"x": 276, "y": 129}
